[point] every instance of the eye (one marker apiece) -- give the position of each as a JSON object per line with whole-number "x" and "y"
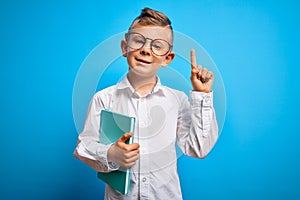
{"x": 138, "y": 40}
{"x": 157, "y": 45}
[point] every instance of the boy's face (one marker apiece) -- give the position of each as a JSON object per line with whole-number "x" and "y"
{"x": 147, "y": 48}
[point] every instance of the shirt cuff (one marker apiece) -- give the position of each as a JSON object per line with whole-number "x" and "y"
{"x": 102, "y": 154}
{"x": 113, "y": 166}
{"x": 201, "y": 99}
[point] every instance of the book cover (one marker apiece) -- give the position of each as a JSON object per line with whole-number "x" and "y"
{"x": 112, "y": 126}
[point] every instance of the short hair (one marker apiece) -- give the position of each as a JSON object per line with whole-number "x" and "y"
{"x": 149, "y": 16}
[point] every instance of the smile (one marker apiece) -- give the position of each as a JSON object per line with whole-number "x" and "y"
{"x": 142, "y": 61}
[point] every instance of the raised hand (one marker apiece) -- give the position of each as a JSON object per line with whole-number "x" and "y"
{"x": 123, "y": 154}
{"x": 202, "y": 79}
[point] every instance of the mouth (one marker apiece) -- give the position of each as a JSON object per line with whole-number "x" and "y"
{"x": 142, "y": 61}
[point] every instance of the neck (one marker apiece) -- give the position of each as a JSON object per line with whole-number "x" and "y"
{"x": 143, "y": 85}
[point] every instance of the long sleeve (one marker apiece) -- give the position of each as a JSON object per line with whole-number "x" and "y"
{"x": 89, "y": 149}
{"x": 197, "y": 129}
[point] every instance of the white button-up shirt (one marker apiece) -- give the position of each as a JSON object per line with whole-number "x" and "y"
{"x": 163, "y": 117}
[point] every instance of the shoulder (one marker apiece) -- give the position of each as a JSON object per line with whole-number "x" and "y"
{"x": 105, "y": 92}
{"x": 179, "y": 95}
{"x": 171, "y": 91}
{"x": 103, "y": 97}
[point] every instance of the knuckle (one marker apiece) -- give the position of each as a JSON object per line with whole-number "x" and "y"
{"x": 126, "y": 148}
{"x": 127, "y": 165}
{"x": 127, "y": 156}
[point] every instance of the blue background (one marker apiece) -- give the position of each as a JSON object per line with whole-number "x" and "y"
{"x": 254, "y": 44}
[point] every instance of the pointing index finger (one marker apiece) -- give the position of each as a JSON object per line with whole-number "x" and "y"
{"x": 193, "y": 58}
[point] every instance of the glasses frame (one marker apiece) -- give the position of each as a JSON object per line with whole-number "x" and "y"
{"x": 151, "y": 46}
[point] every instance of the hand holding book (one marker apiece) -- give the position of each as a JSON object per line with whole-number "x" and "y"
{"x": 117, "y": 129}
{"x": 123, "y": 154}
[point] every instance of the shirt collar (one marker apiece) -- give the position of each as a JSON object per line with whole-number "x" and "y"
{"x": 125, "y": 84}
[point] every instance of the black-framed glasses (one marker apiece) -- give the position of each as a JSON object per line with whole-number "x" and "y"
{"x": 136, "y": 41}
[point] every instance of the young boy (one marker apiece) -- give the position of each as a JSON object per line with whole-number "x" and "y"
{"x": 163, "y": 115}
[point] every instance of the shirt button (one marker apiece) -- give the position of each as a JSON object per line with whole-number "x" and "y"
{"x": 207, "y": 99}
{"x": 142, "y": 124}
{"x": 144, "y": 179}
{"x": 142, "y": 150}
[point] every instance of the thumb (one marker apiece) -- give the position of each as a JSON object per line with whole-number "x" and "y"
{"x": 125, "y": 137}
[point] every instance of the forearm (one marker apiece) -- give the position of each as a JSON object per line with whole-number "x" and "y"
{"x": 199, "y": 130}
{"x": 94, "y": 154}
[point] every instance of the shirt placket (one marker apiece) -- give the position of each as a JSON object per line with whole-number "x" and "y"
{"x": 142, "y": 118}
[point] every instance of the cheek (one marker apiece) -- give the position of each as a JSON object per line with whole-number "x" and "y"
{"x": 130, "y": 51}
{"x": 130, "y": 54}
{"x": 160, "y": 60}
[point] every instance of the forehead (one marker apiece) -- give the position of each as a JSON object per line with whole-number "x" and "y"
{"x": 154, "y": 32}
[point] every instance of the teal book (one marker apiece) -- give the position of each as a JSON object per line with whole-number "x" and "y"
{"x": 112, "y": 126}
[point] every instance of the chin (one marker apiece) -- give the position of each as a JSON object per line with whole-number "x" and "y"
{"x": 140, "y": 72}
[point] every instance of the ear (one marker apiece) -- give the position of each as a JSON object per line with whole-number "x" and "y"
{"x": 168, "y": 58}
{"x": 124, "y": 47}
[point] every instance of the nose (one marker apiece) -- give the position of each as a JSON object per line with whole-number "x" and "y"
{"x": 146, "y": 49}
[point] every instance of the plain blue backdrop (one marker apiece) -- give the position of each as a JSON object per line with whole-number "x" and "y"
{"x": 255, "y": 45}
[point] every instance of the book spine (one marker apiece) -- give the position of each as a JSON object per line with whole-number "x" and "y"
{"x": 127, "y": 182}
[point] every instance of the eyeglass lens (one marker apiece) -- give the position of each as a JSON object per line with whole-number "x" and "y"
{"x": 158, "y": 46}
